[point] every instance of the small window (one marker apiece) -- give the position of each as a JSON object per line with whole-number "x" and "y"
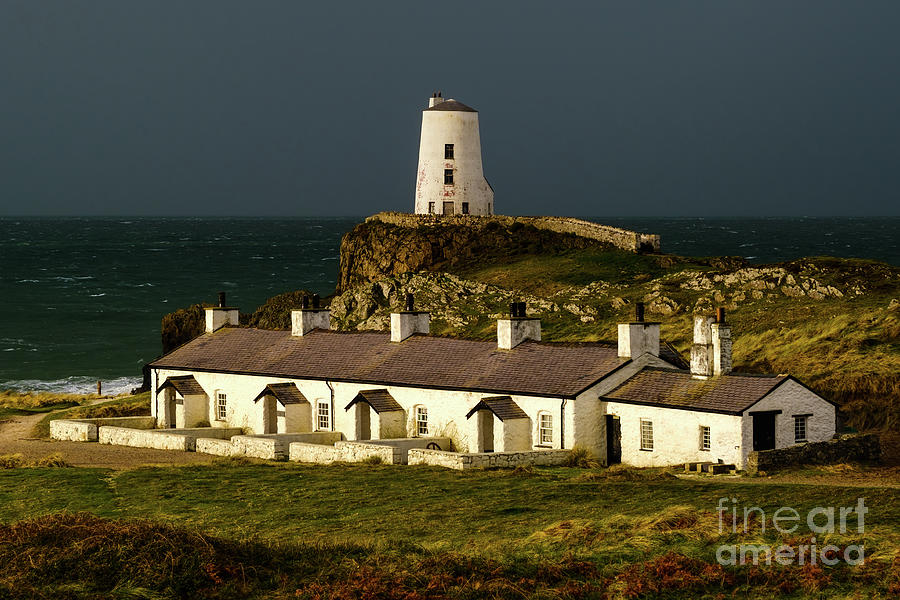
{"x": 448, "y": 151}
{"x": 705, "y": 439}
{"x": 646, "y": 434}
{"x": 465, "y": 208}
{"x": 545, "y": 428}
{"x": 421, "y": 420}
{"x": 323, "y": 416}
{"x": 448, "y": 176}
{"x": 221, "y": 406}
{"x": 800, "y": 428}
{"x": 431, "y": 208}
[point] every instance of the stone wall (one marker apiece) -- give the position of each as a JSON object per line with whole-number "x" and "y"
{"x": 269, "y": 446}
{"x": 485, "y": 460}
{"x": 87, "y": 430}
{"x": 215, "y": 446}
{"x": 621, "y": 238}
{"x": 344, "y": 452}
{"x": 163, "y": 439}
{"x": 407, "y": 444}
{"x": 847, "y": 448}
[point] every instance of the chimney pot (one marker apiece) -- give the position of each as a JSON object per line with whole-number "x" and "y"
{"x": 639, "y": 312}
{"x": 316, "y": 301}
{"x": 720, "y": 315}
{"x": 409, "y": 302}
{"x": 304, "y": 302}
{"x": 222, "y": 300}
{"x": 513, "y": 309}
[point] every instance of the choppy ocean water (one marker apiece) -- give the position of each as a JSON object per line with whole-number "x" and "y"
{"x": 81, "y": 298}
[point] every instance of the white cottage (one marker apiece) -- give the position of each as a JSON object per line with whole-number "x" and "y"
{"x": 449, "y": 178}
{"x": 633, "y": 401}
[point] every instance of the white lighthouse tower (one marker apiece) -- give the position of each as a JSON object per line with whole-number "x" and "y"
{"x": 450, "y": 180}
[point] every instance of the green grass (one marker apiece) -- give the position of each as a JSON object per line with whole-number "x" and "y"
{"x": 295, "y": 527}
{"x": 125, "y": 406}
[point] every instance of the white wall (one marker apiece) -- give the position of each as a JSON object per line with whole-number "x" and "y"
{"x": 585, "y": 417}
{"x": 676, "y": 435}
{"x": 469, "y": 185}
{"x": 446, "y": 409}
{"x": 791, "y": 398}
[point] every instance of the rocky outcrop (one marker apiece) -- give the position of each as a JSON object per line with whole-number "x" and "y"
{"x": 376, "y": 250}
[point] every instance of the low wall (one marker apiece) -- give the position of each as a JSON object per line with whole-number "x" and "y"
{"x": 163, "y": 439}
{"x": 214, "y": 446}
{"x": 275, "y": 446}
{"x": 847, "y": 448}
{"x": 485, "y": 460}
{"x": 407, "y": 444}
{"x": 344, "y": 452}
{"x": 621, "y": 238}
{"x": 87, "y": 430}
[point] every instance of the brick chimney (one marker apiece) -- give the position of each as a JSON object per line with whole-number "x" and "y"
{"x": 517, "y": 328}
{"x": 638, "y": 337}
{"x": 220, "y": 316}
{"x": 409, "y": 321}
{"x": 307, "y": 318}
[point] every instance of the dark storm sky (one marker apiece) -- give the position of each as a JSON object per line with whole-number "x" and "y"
{"x": 301, "y": 108}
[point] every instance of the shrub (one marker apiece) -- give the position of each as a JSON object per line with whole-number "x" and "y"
{"x": 373, "y": 460}
{"x": 581, "y": 458}
{"x": 53, "y": 460}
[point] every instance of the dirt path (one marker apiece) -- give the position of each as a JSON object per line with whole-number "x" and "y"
{"x": 15, "y": 438}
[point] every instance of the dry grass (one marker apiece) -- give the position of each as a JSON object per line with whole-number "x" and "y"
{"x": 37, "y": 400}
{"x": 17, "y": 461}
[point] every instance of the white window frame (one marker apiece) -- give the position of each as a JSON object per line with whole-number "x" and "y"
{"x": 421, "y": 420}
{"x": 705, "y": 438}
{"x": 545, "y": 429}
{"x": 801, "y": 428}
{"x": 323, "y": 416}
{"x": 221, "y": 405}
{"x": 646, "y": 433}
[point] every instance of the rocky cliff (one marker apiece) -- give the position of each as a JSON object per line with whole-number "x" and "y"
{"x": 376, "y": 249}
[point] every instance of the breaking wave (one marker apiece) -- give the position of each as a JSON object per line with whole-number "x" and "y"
{"x": 81, "y": 384}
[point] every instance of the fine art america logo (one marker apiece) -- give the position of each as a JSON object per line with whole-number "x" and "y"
{"x": 821, "y": 521}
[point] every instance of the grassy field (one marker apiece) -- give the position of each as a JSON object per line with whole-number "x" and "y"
{"x": 237, "y": 529}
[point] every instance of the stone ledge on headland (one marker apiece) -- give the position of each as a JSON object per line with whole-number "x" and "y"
{"x": 624, "y": 239}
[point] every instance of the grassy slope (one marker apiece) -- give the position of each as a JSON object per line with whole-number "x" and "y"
{"x": 384, "y": 518}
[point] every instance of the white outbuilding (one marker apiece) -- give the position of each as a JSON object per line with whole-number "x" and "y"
{"x": 450, "y": 179}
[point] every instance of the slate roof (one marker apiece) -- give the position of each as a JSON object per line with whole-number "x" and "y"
{"x": 286, "y": 393}
{"x": 185, "y": 385}
{"x": 380, "y": 400}
{"x": 503, "y": 407}
{"x": 532, "y": 368}
{"x": 671, "y": 388}
{"x": 452, "y": 105}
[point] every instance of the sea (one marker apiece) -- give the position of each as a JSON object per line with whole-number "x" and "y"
{"x": 81, "y": 298}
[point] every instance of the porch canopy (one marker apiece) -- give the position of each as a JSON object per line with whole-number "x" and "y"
{"x": 381, "y": 401}
{"x": 185, "y": 385}
{"x": 286, "y": 393}
{"x": 503, "y": 407}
